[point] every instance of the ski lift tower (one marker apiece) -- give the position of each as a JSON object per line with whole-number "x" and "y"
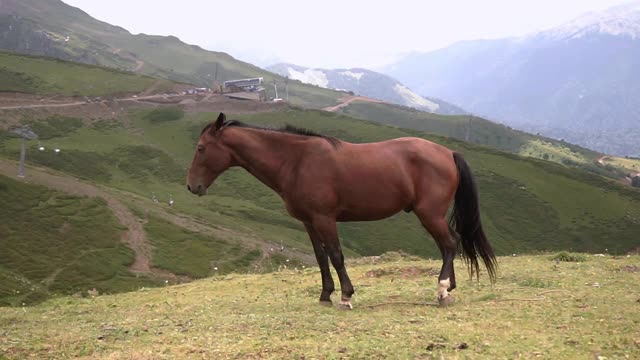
{"x": 25, "y": 133}
{"x": 275, "y": 87}
{"x": 286, "y": 87}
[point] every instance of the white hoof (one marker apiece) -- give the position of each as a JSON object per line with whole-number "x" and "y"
{"x": 345, "y": 305}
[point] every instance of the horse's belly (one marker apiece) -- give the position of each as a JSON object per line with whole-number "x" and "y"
{"x": 351, "y": 215}
{"x": 372, "y": 208}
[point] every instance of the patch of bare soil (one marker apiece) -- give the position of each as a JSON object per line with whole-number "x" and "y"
{"x": 15, "y": 107}
{"x": 346, "y": 100}
{"x": 630, "y": 268}
{"x": 139, "y": 65}
{"x": 220, "y": 103}
{"x": 89, "y": 112}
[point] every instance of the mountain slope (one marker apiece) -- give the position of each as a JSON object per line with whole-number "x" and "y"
{"x": 53, "y": 28}
{"x": 48, "y": 76}
{"x": 578, "y": 81}
{"x": 364, "y": 82}
{"x": 145, "y": 156}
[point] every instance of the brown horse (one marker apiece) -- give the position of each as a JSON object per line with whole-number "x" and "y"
{"x": 323, "y": 180}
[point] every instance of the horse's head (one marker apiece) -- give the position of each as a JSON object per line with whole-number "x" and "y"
{"x": 211, "y": 158}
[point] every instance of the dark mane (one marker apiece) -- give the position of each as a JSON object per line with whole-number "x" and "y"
{"x": 289, "y": 129}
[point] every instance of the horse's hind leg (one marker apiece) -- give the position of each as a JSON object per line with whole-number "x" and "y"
{"x": 323, "y": 261}
{"x": 326, "y": 230}
{"x": 438, "y": 227}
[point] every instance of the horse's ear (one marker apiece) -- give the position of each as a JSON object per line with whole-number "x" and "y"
{"x": 220, "y": 121}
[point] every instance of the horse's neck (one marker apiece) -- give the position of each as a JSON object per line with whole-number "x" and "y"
{"x": 262, "y": 153}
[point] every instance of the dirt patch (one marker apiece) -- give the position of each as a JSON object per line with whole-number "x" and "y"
{"x": 139, "y": 65}
{"x": 346, "y": 100}
{"x": 15, "y": 107}
{"x": 404, "y": 272}
{"x": 89, "y": 112}
{"x": 630, "y": 268}
{"x": 220, "y": 103}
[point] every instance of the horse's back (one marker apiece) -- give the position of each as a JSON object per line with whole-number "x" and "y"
{"x": 401, "y": 154}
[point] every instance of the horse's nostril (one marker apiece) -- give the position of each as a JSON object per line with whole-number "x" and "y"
{"x": 189, "y": 187}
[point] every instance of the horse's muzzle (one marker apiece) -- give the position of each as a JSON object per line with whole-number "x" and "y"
{"x": 197, "y": 190}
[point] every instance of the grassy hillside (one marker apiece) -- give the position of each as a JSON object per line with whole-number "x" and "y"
{"x": 632, "y": 165}
{"x": 49, "y": 23}
{"x": 54, "y": 243}
{"x": 538, "y": 308}
{"x": 47, "y": 76}
{"x": 527, "y": 204}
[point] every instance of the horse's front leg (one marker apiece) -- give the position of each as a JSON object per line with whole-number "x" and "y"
{"x": 326, "y": 230}
{"x": 323, "y": 261}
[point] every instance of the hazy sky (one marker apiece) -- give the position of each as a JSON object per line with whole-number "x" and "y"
{"x": 335, "y": 33}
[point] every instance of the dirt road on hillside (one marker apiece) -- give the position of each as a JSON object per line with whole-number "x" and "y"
{"x": 77, "y": 103}
{"x": 139, "y": 65}
{"x": 107, "y": 108}
{"x": 35, "y": 106}
{"x": 345, "y": 101}
{"x": 134, "y": 237}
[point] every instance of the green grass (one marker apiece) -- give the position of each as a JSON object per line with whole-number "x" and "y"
{"x": 164, "y": 114}
{"x": 568, "y": 257}
{"x": 196, "y": 255}
{"x": 527, "y": 204}
{"x": 53, "y": 243}
{"x": 47, "y": 76}
{"x": 537, "y": 309}
{"x": 55, "y": 126}
{"x": 630, "y": 165}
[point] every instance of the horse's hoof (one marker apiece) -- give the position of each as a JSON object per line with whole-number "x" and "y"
{"x": 325, "y": 303}
{"x": 345, "y": 305}
{"x": 446, "y": 301}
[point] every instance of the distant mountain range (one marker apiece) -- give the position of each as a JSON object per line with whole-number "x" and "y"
{"x": 367, "y": 83}
{"x": 54, "y": 29}
{"x": 579, "y": 81}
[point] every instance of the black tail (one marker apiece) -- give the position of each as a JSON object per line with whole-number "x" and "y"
{"x": 465, "y": 219}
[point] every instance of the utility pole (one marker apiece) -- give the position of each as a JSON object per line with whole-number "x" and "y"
{"x": 275, "y": 86}
{"x": 286, "y": 87}
{"x": 468, "y": 134}
{"x": 23, "y": 153}
{"x": 215, "y": 80}
{"x": 25, "y": 133}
